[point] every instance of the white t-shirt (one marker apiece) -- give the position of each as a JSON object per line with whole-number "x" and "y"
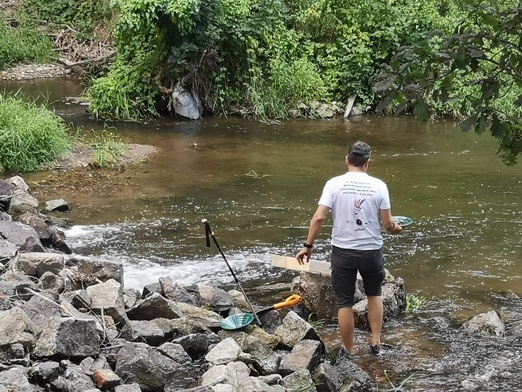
{"x": 355, "y": 199}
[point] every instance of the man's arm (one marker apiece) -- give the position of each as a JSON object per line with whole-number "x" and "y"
{"x": 388, "y": 223}
{"x": 315, "y": 227}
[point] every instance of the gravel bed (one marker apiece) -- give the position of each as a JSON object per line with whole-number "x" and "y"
{"x": 34, "y": 71}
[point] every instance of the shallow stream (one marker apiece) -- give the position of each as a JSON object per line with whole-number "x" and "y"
{"x": 258, "y": 185}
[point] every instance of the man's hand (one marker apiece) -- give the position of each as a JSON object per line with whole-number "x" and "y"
{"x": 396, "y": 229}
{"x": 304, "y": 255}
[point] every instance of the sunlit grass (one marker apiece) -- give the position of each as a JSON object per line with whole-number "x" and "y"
{"x": 415, "y": 302}
{"x": 108, "y": 150}
{"x": 31, "y": 136}
{"x": 106, "y": 147}
{"x": 22, "y": 44}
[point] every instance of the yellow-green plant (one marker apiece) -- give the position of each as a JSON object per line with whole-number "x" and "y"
{"x": 31, "y": 136}
{"x": 25, "y": 43}
{"x": 415, "y": 302}
{"x": 108, "y": 149}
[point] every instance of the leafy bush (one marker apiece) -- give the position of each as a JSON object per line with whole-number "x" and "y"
{"x": 82, "y": 15}
{"x": 31, "y": 136}
{"x": 123, "y": 94}
{"x": 25, "y": 43}
{"x": 287, "y": 85}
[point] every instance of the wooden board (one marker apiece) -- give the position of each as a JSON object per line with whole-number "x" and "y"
{"x": 314, "y": 266}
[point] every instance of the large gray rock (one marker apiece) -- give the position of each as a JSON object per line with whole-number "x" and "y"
{"x": 36, "y": 263}
{"x": 68, "y": 337}
{"x": 17, "y": 232}
{"x": 176, "y": 352}
{"x": 16, "y": 327}
{"x": 73, "y": 379}
{"x": 147, "y": 331}
{"x": 224, "y": 352}
{"x": 56, "y": 205}
{"x": 22, "y": 202}
{"x": 18, "y": 183}
{"x": 217, "y": 299}
{"x": 154, "y": 306}
{"x": 107, "y": 299}
{"x": 46, "y": 372}
{"x": 294, "y": 329}
{"x": 177, "y": 293}
{"x": 488, "y": 323}
{"x": 36, "y": 222}
{"x": 15, "y": 380}
{"x": 316, "y": 291}
{"x": 344, "y": 376}
{"x": 147, "y": 366}
{"x": 299, "y": 380}
{"x": 41, "y": 308}
{"x": 102, "y": 270}
{"x": 129, "y": 388}
{"x": 6, "y": 192}
{"x": 7, "y": 250}
{"x": 195, "y": 344}
{"x": 232, "y": 374}
{"x": 305, "y": 355}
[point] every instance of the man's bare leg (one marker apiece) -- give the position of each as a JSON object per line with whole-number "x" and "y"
{"x": 345, "y": 319}
{"x": 375, "y": 310}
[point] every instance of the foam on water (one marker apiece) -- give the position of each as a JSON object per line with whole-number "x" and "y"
{"x": 141, "y": 270}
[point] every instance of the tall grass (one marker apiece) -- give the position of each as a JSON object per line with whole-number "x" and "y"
{"x": 24, "y": 44}
{"x": 289, "y": 84}
{"x": 108, "y": 149}
{"x": 31, "y": 136}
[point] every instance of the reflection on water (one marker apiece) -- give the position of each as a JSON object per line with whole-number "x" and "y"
{"x": 258, "y": 186}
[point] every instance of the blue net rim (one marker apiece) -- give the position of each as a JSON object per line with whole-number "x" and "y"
{"x": 237, "y": 321}
{"x": 402, "y": 220}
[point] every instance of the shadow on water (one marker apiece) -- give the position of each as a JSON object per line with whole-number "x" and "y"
{"x": 258, "y": 186}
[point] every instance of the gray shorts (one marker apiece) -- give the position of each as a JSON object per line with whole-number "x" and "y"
{"x": 345, "y": 264}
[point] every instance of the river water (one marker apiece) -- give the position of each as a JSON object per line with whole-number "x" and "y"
{"x": 258, "y": 186}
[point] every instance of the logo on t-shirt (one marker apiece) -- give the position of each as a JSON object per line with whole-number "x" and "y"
{"x": 358, "y": 205}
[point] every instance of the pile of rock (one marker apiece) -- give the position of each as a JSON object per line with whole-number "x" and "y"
{"x": 67, "y": 323}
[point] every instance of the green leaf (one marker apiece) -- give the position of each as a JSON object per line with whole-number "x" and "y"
{"x": 422, "y": 111}
{"x": 498, "y": 128}
{"x": 469, "y": 123}
{"x": 384, "y": 84}
{"x": 482, "y": 124}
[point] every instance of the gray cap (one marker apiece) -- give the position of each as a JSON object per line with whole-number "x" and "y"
{"x": 360, "y": 149}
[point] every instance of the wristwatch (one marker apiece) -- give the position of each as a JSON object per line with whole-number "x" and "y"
{"x": 309, "y": 246}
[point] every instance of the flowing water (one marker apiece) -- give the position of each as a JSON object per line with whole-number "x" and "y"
{"x": 258, "y": 185}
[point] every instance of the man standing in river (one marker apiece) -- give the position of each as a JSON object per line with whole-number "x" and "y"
{"x": 359, "y": 203}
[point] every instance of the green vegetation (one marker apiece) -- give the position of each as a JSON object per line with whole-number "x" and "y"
{"x": 415, "y": 302}
{"x": 23, "y": 44}
{"x": 264, "y": 58}
{"x": 84, "y": 15}
{"x": 398, "y": 388}
{"x": 257, "y": 58}
{"x": 107, "y": 149}
{"x": 31, "y": 136}
{"x": 474, "y": 71}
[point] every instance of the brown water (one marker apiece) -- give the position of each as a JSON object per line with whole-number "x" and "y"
{"x": 258, "y": 185}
